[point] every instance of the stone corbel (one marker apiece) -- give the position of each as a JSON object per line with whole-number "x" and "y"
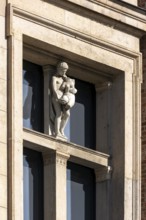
{"x": 103, "y": 173}
{"x": 103, "y": 86}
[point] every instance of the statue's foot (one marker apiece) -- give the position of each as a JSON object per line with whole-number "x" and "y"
{"x": 63, "y": 135}
{"x": 58, "y": 134}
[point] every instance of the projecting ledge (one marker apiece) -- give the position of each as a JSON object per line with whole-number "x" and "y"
{"x": 79, "y": 154}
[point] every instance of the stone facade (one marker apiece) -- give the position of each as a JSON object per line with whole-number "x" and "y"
{"x": 142, "y": 3}
{"x": 143, "y": 49}
{"x": 100, "y": 40}
{"x": 3, "y": 114}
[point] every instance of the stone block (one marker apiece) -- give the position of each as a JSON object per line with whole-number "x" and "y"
{"x": 114, "y": 36}
{"x": 78, "y": 22}
{"x": 43, "y": 9}
{"x": 3, "y": 191}
{"x": 3, "y": 213}
{"x": 3, "y": 63}
{"x": 3, "y": 95}
{"x": 2, "y": 7}
{"x": 133, "y": 2}
{"x": 3, "y": 159}
{"x": 3, "y": 41}
{"x": 3, "y": 124}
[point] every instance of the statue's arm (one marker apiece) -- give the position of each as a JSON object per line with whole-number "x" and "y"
{"x": 56, "y": 92}
{"x": 54, "y": 86}
{"x": 63, "y": 86}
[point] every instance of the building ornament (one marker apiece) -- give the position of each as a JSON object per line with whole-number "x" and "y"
{"x": 55, "y": 157}
{"x": 63, "y": 99}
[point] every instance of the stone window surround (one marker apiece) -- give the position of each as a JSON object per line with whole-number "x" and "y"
{"x": 16, "y": 134}
{"x": 57, "y": 150}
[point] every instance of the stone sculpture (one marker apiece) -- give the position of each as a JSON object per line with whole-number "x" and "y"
{"x": 63, "y": 98}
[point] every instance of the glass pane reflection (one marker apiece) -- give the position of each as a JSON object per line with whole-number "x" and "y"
{"x": 32, "y": 96}
{"x": 80, "y": 193}
{"x": 82, "y": 122}
{"x": 33, "y": 185}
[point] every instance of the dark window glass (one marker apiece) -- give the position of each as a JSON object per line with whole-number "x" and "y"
{"x": 32, "y": 96}
{"x": 82, "y": 123}
{"x": 80, "y": 193}
{"x": 33, "y": 185}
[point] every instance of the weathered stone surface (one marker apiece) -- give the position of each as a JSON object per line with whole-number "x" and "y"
{"x": 3, "y": 160}
{"x": 3, "y": 63}
{"x": 106, "y": 47}
{"x": 3, "y": 95}
{"x": 3, "y": 126}
{"x": 3, "y": 191}
{"x": 3, "y": 41}
{"x": 3, "y": 8}
{"x": 4, "y": 213}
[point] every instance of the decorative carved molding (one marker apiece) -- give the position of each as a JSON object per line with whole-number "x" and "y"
{"x": 55, "y": 158}
{"x": 61, "y": 158}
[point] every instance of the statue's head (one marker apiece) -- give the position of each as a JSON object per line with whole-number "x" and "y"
{"x": 62, "y": 68}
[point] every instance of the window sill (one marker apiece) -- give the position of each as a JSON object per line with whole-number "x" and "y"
{"x": 78, "y": 154}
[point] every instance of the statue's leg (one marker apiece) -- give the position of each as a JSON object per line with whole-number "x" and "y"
{"x": 65, "y": 117}
{"x": 58, "y": 115}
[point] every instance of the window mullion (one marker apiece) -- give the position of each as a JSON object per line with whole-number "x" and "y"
{"x": 55, "y": 185}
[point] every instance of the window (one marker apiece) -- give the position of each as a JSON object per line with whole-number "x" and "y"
{"x": 81, "y": 130}
{"x": 32, "y": 96}
{"x": 80, "y": 192}
{"x": 81, "y": 125}
{"x": 33, "y": 185}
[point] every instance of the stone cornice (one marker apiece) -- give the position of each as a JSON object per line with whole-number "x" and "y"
{"x": 12, "y": 10}
{"x": 110, "y": 46}
{"x": 110, "y": 12}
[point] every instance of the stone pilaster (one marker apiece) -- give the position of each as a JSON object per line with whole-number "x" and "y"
{"x": 48, "y": 72}
{"x": 102, "y": 175}
{"x": 55, "y": 185}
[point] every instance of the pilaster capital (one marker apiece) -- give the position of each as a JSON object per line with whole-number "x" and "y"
{"x": 56, "y": 157}
{"x": 61, "y": 158}
{"x": 103, "y": 173}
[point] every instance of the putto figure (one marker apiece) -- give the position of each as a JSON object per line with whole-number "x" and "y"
{"x": 63, "y": 98}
